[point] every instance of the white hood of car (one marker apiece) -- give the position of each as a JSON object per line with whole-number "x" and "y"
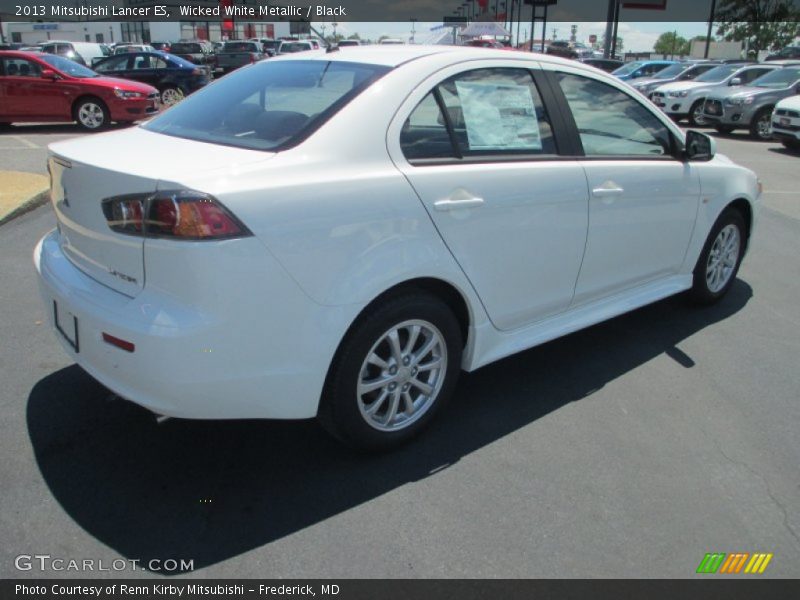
{"x": 679, "y": 86}
{"x": 792, "y": 103}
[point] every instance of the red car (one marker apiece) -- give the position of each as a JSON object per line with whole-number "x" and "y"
{"x": 37, "y": 87}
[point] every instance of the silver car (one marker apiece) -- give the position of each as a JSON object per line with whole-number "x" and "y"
{"x": 750, "y": 107}
{"x": 685, "y": 99}
{"x": 678, "y": 72}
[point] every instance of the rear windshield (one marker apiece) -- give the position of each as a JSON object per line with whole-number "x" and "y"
{"x": 295, "y": 46}
{"x": 240, "y": 47}
{"x": 185, "y": 49}
{"x": 671, "y": 71}
{"x": 270, "y": 106}
{"x": 629, "y": 68}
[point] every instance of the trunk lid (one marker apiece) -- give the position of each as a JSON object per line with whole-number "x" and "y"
{"x": 88, "y": 170}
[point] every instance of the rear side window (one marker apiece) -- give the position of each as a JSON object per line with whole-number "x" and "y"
{"x": 610, "y": 122}
{"x": 270, "y": 106}
{"x": 117, "y": 63}
{"x": 485, "y": 112}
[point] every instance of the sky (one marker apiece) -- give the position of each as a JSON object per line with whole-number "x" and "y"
{"x": 637, "y": 37}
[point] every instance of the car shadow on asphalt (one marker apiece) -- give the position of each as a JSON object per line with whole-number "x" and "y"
{"x": 209, "y": 491}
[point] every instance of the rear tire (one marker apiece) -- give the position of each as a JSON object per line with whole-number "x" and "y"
{"x": 393, "y": 372}
{"x": 91, "y": 114}
{"x": 171, "y": 95}
{"x": 724, "y": 129}
{"x": 719, "y": 261}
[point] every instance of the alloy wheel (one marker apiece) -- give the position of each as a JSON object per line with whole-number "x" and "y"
{"x": 402, "y": 375}
{"x": 171, "y": 96}
{"x": 91, "y": 115}
{"x": 722, "y": 258}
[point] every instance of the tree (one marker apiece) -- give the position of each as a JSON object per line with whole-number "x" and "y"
{"x": 671, "y": 43}
{"x": 763, "y": 24}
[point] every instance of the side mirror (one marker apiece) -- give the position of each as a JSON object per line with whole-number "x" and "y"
{"x": 735, "y": 81}
{"x": 49, "y": 74}
{"x": 699, "y": 146}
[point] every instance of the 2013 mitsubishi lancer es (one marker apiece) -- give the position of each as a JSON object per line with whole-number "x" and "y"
{"x": 339, "y": 234}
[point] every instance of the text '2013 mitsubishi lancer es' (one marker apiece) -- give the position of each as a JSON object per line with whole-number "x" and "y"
{"x": 339, "y": 234}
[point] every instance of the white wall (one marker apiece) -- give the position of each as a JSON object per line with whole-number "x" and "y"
{"x": 32, "y": 33}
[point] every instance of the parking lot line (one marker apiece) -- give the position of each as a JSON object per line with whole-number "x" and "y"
{"x": 25, "y": 142}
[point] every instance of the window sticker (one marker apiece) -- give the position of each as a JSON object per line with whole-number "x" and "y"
{"x": 499, "y": 116}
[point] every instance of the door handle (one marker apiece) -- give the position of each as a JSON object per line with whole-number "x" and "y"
{"x": 443, "y": 205}
{"x": 606, "y": 191}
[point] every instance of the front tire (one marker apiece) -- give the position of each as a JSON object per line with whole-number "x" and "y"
{"x": 760, "y": 127}
{"x": 92, "y": 114}
{"x": 719, "y": 261}
{"x": 393, "y": 372}
{"x": 696, "y": 118}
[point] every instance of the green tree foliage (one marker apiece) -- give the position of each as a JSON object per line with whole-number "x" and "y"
{"x": 764, "y": 24}
{"x": 671, "y": 43}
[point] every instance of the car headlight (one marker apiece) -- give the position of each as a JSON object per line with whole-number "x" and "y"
{"x": 127, "y": 95}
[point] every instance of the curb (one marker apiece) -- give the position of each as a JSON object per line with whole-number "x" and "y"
{"x": 28, "y": 205}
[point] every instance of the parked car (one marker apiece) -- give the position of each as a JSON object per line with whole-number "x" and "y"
{"x": 83, "y": 53}
{"x": 605, "y": 64}
{"x": 790, "y": 52}
{"x": 129, "y": 48}
{"x": 161, "y": 46}
{"x": 173, "y": 77}
{"x": 685, "y": 99}
{"x": 786, "y": 122}
{"x": 291, "y": 47}
{"x": 269, "y": 47}
{"x": 750, "y": 107}
{"x": 641, "y": 68}
{"x": 345, "y": 43}
{"x": 238, "y": 54}
{"x": 40, "y": 87}
{"x": 676, "y": 72}
{"x": 569, "y": 49}
{"x": 199, "y": 52}
{"x": 288, "y": 281}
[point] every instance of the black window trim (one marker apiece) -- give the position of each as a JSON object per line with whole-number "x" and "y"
{"x": 542, "y": 85}
{"x": 676, "y": 153}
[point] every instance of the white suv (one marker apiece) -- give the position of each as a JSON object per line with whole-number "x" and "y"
{"x": 786, "y": 122}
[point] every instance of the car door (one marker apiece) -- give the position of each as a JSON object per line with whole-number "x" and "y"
{"x": 115, "y": 66}
{"x": 27, "y": 93}
{"x": 144, "y": 68}
{"x": 643, "y": 200}
{"x": 481, "y": 151}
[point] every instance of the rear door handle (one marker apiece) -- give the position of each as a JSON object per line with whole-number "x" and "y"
{"x": 605, "y": 192}
{"x": 443, "y": 205}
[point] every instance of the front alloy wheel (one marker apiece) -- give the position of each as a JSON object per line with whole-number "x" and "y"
{"x": 761, "y": 127}
{"x": 91, "y": 115}
{"x": 696, "y": 114}
{"x": 393, "y": 371}
{"x": 720, "y": 259}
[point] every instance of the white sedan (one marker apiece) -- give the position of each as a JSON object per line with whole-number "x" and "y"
{"x": 339, "y": 234}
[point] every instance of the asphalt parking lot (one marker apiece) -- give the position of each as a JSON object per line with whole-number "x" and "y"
{"x": 630, "y": 449}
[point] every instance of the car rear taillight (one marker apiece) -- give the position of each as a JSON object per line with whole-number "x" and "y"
{"x": 176, "y": 214}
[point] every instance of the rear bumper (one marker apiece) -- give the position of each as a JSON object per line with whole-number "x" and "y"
{"x": 231, "y": 361}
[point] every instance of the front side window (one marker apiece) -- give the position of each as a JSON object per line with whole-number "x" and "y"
{"x": 488, "y": 112}
{"x": 270, "y": 106}
{"x": 718, "y": 74}
{"x": 612, "y": 123}
{"x": 779, "y": 78}
{"x": 752, "y": 74}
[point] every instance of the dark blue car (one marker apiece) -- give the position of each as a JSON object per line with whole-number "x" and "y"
{"x": 174, "y": 77}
